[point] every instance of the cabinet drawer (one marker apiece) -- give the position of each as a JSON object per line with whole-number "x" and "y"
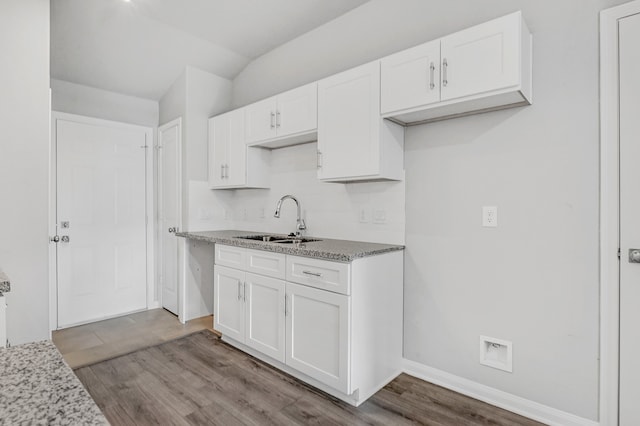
{"x": 322, "y": 274}
{"x": 234, "y": 257}
{"x": 266, "y": 263}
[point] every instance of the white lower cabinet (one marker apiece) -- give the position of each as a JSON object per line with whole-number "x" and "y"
{"x": 250, "y": 309}
{"x": 229, "y": 316}
{"x": 338, "y": 327}
{"x": 265, "y": 309}
{"x": 318, "y": 335}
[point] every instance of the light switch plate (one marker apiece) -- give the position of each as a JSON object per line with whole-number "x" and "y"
{"x": 490, "y": 216}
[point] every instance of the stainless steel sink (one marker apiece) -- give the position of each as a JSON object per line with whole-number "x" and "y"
{"x": 277, "y": 239}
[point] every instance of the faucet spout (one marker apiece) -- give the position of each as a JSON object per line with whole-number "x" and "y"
{"x": 300, "y": 225}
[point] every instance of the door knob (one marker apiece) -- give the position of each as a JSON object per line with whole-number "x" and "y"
{"x": 54, "y": 239}
{"x": 634, "y": 255}
{"x": 173, "y": 230}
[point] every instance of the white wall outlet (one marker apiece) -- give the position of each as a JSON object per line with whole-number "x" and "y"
{"x": 490, "y": 216}
{"x": 379, "y": 216}
{"x": 364, "y": 215}
{"x": 496, "y": 353}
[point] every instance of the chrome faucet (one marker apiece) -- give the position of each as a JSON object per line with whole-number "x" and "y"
{"x": 300, "y": 225}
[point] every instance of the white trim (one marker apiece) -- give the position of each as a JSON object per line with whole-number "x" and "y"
{"x": 498, "y": 398}
{"x": 181, "y": 247}
{"x": 149, "y": 205}
{"x": 609, "y": 210}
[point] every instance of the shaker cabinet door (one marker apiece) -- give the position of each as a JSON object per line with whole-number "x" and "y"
{"x": 318, "y": 335}
{"x": 349, "y": 123}
{"x": 229, "y": 314}
{"x": 265, "y": 315}
{"x": 411, "y": 78}
{"x": 481, "y": 59}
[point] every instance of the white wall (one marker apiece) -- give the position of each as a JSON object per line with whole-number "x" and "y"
{"x": 88, "y": 101}
{"x": 24, "y": 165}
{"x": 534, "y": 279}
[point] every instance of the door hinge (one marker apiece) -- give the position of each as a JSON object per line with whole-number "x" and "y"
{"x": 619, "y": 253}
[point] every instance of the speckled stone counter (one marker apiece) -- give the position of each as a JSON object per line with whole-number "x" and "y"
{"x": 325, "y": 248}
{"x": 38, "y": 388}
{"x": 5, "y": 285}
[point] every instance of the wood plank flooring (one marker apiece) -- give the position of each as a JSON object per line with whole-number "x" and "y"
{"x": 98, "y": 341}
{"x": 199, "y": 379}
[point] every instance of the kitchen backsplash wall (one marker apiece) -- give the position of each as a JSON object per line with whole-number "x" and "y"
{"x": 369, "y": 211}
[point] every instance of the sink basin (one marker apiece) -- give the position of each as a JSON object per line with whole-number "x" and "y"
{"x": 278, "y": 239}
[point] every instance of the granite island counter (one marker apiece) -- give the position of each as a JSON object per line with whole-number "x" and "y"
{"x": 38, "y": 388}
{"x": 5, "y": 284}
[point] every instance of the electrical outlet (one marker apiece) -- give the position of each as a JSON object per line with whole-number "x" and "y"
{"x": 490, "y": 216}
{"x": 379, "y": 216}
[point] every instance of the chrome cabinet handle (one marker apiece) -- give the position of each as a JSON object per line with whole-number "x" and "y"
{"x": 285, "y": 305}
{"x": 445, "y": 67}
{"x": 55, "y": 239}
{"x": 171, "y": 230}
{"x": 244, "y": 291}
{"x": 315, "y": 274}
{"x": 226, "y": 171}
{"x": 273, "y": 116}
{"x": 64, "y": 239}
{"x": 432, "y": 73}
{"x": 277, "y": 119}
{"x": 239, "y": 291}
{"x": 221, "y": 171}
{"x": 634, "y": 256}
{"x": 319, "y": 160}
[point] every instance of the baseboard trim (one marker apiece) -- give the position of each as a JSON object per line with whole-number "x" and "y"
{"x": 501, "y": 399}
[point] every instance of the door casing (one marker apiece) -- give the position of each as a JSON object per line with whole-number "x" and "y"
{"x": 152, "y": 299}
{"x": 609, "y": 211}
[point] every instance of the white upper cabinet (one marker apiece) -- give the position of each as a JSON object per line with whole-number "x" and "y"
{"x": 411, "y": 77}
{"x": 482, "y": 68}
{"x": 231, "y": 163}
{"x": 261, "y": 120}
{"x": 354, "y": 142}
{"x": 482, "y": 58}
{"x": 286, "y": 119}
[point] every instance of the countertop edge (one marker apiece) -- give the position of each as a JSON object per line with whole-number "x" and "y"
{"x": 295, "y": 251}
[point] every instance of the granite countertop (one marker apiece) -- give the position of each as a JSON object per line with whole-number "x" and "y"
{"x": 5, "y": 285}
{"x": 38, "y": 388}
{"x": 325, "y": 248}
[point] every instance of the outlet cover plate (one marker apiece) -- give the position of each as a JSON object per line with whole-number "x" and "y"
{"x": 496, "y": 353}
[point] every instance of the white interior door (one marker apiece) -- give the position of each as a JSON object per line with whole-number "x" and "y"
{"x": 629, "y": 66}
{"x": 101, "y": 219}
{"x": 169, "y": 210}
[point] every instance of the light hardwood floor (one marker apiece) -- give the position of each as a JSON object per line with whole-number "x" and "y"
{"x": 199, "y": 379}
{"x": 98, "y": 341}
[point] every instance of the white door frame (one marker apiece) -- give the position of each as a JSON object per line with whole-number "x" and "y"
{"x": 181, "y": 249}
{"x": 149, "y": 207}
{"x": 609, "y": 210}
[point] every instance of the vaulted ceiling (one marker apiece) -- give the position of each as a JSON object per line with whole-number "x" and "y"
{"x": 139, "y": 47}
